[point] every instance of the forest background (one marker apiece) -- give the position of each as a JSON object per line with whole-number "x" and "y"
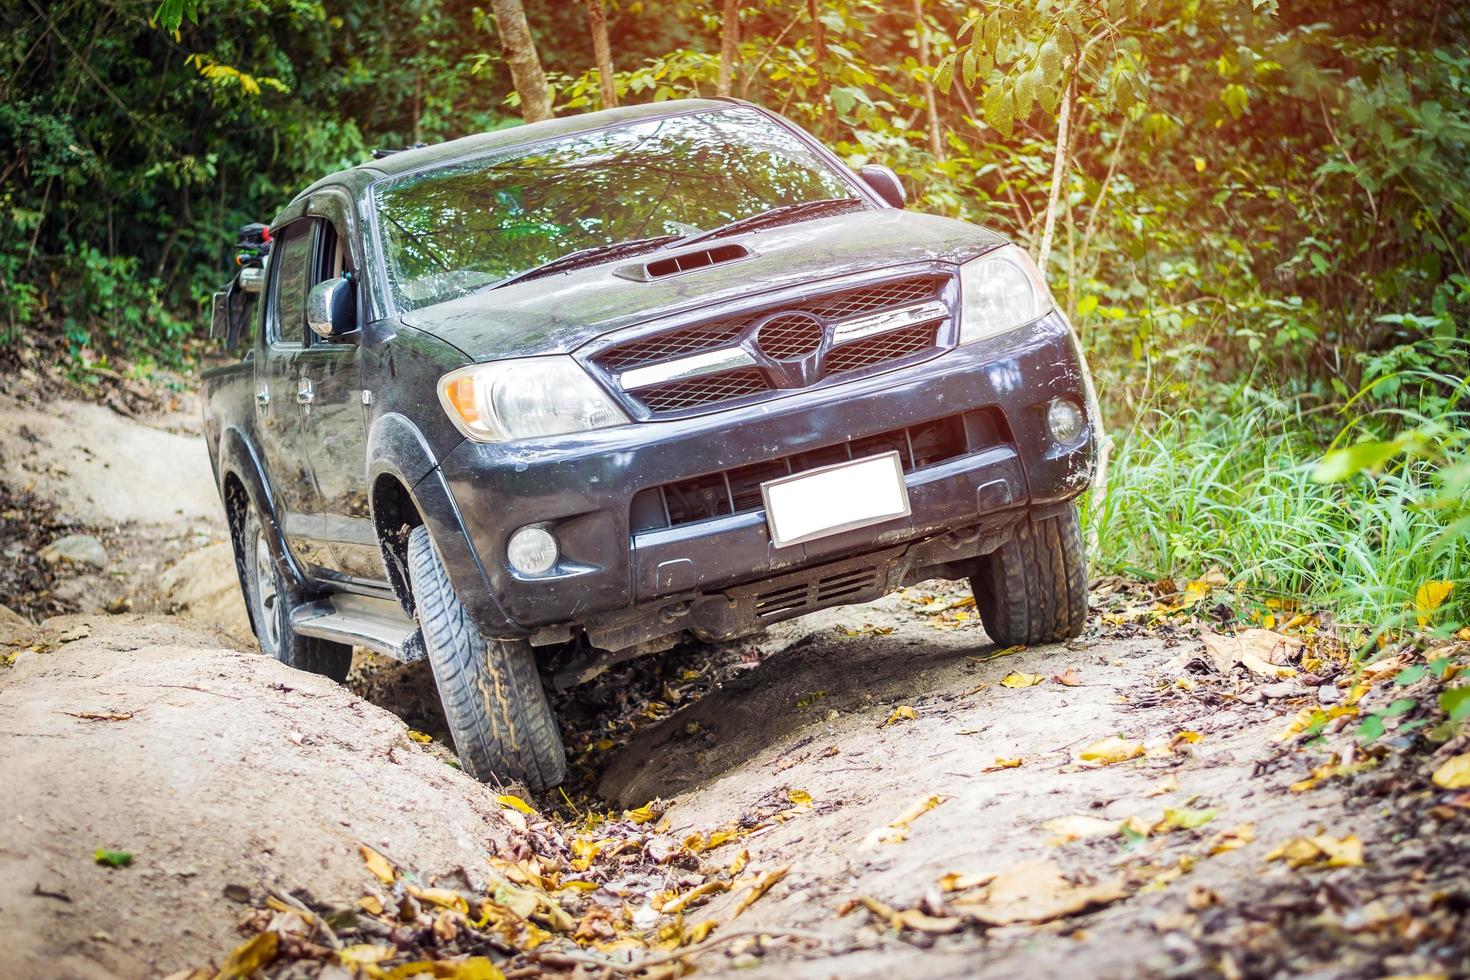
{"x": 1257, "y": 215}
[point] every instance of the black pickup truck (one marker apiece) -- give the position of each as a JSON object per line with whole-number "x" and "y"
{"x": 530, "y": 402}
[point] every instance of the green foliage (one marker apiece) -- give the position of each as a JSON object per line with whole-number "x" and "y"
{"x": 1235, "y": 489}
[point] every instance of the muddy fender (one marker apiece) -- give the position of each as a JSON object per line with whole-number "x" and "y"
{"x": 397, "y": 448}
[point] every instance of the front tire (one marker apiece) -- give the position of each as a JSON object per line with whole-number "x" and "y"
{"x": 271, "y": 599}
{"x": 1033, "y": 588}
{"x": 491, "y": 691}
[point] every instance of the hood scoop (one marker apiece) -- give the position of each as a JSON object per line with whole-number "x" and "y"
{"x": 677, "y": 265}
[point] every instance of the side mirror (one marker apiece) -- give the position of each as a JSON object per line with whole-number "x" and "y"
{"x": 883, "y": 180}
{"x": 331, "y": 309}
{"x": 235, "y": 306}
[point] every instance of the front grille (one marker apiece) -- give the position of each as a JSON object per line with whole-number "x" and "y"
{"x": 871, "y": 299}
{"x": 790, "y": 336}
{"x": 781, "y": 338}
{"x": 677, "y": 395}
{"x": 738, "y": 490}
{"x": 885, "y": 347}
{"x": 680, "y": 343}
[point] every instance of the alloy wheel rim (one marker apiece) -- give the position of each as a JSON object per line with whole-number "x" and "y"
{"x": 269, "y": 595}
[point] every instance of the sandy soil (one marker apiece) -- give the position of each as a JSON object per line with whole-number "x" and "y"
{"x": 226, "y": 769}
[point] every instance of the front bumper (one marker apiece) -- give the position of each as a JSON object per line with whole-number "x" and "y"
{"x": 582, "y": 486}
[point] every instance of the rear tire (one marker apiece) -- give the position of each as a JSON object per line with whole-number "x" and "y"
{"x": 491, "y": 691}
{"x": 1033, "y": 588}
{"x": 271, "y": 599}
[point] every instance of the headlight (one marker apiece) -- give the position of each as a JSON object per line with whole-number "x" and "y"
{"x": 999, "y": 291}
{"x": 525, "y": 398}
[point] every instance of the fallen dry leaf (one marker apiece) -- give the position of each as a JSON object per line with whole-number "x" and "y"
{"x": 515, "y": 803}
{"x": 248, "y": 957}
{"x": 760, "y": 887}
{"x": 799, "y": 796}
{"x": 380, "y": 866}
{"x": 896, "y": 830}
{"x": 420, "y": 737}
{"x": 1036, "y": 892}
{"x": 1454, "y": 773}
{"x": 912, "y": 919}
{"x": 1163, "y": 787}
{"x": 1004, "y": 764}
{"x": 1068, "y": 678}
{"x": 903, "y": 711}
{"x": 101, "y": 715}
{"x": 1110, "y": 750}
{"x": 1017, "y": 679}
{"x": 1263, "y": 652}
{"x": 1234, "y": 838}
{"x": 1320, "y": 849}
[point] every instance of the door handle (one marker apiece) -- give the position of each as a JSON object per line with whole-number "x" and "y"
{"x": 263, "y": 397}
{"x": 305, "y": 392}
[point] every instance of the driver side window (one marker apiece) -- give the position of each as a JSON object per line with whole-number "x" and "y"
{"x": 291, "y": 257}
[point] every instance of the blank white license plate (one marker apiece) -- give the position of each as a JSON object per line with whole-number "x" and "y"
{"x": 835, "y": 498}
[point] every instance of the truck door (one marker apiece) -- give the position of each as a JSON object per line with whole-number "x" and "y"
{"x": 279, "y": 419}
{"x": 335, "y": 418}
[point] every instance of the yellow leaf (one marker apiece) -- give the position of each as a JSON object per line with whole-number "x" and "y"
{"x": 420, "y": 737}
{"x": 365, "y": 954}
{"x": 1107, "y": 751}
{"x": 896, "y": 830}
{"x": 644, "y": 814}
{"x": 1183, "y": 818}
{"x": 956, "y": 882}
{"x": 738, "y": 865}
{"x": 380, "y": 866}
{"x": 1320, "y": 849}
{"x": 1232, "y": 839}
{"x": 370, "y": 904}
{"x": 514, "y": 803}
{"x": 1199, "y": 164}
{"x": 1004, "y": 764}
{"x": 442, "y": 897}
{"x": 799, "y": 796}
{"x": 902, "y": 711}
{"x": 249, "y": 956}
{"x": 1017, "y": 679}
{"x": 1453, "y": 773}
{"x": 762, "y": 885}
{"x": 1429, "y": 597}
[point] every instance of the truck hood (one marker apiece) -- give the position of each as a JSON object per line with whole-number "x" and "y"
{"x": 558, "y": 313}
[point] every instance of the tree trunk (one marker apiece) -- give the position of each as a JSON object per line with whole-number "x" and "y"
{"x": 520, "y": 54}
{"x": 729, "y": 47}
{"x": 819, "y": 58}
{"x": 1058, "y": 173}
{"x": 931, "y": 103}
{"x": 602, "y": 51}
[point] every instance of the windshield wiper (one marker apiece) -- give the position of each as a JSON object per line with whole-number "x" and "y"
{"x": 774, "y": 216}
{"x": 584, "y": 256}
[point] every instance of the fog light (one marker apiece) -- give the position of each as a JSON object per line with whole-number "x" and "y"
{"x": 532, "y": 550}
{"x": 1065, "y": 419}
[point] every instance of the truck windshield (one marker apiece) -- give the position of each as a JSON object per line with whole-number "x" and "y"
{"x": 453, "y": 229}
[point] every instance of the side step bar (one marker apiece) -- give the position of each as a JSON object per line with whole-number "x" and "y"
{"x": 362, "y": 621}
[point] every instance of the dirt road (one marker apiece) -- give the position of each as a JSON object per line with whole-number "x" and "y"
{"x": 843, "y": 790}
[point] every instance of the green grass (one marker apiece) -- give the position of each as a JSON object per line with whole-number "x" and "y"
{"x": 1194, "y": 490}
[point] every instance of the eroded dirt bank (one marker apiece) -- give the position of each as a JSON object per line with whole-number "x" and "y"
{"x": 870, "y": 791}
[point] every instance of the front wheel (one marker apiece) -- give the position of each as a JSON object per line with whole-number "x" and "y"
{"x": 491, "y": 691}
{"x": 1033, "y": 588}
{"x": 271, "y": 598}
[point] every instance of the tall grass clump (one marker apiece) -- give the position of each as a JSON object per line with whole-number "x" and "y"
{"x": 1196, "y": 489}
